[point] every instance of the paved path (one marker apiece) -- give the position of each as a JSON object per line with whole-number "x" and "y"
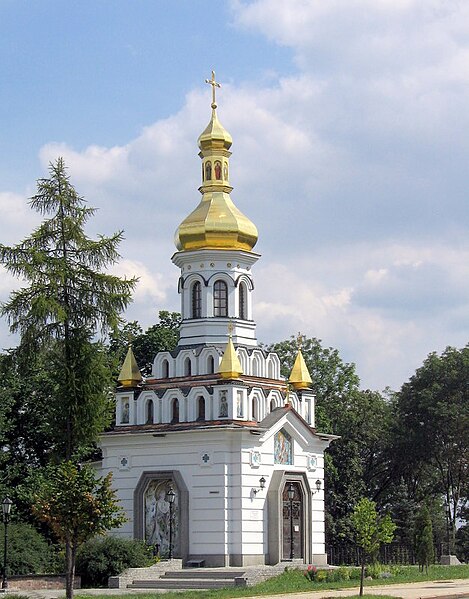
{"x": 447, "y": 589}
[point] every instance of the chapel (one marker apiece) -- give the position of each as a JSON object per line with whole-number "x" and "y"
{"x": 215, "y": 456}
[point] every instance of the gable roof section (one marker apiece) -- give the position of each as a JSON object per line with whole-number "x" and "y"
{"x": 288, "y": 415}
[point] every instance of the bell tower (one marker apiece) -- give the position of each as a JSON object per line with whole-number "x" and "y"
{"x": 215, "y": 254}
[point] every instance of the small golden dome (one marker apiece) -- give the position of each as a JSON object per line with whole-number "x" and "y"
{"x": 230, "y": 366}
{"x": 214, "y": 136}
{"x": 130, "y": 375}
{"x": 299, "y": 376}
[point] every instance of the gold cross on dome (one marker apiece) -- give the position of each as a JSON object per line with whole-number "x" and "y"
{"x": 230, "y": 328}
{"x": 214, "y": 84}
{"x": 299, "y": 340}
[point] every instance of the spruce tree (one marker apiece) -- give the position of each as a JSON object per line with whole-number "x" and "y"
{"x": 68, "y": 299}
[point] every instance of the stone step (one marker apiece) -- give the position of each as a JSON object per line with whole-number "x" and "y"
{"x": 204, "y": 573}
{"x": 182, "y": 583}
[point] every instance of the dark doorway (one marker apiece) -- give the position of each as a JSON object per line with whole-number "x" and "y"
{"x": 292, "y": 509}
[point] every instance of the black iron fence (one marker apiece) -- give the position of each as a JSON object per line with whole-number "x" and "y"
{"x": 350, "y": 555}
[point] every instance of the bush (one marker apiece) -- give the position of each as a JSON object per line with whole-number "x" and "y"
{"x": 110, "y": 556}
{"x": 28, "y": 551}
{"x": 355, "y": 573}
{"x": 374, "y": 570}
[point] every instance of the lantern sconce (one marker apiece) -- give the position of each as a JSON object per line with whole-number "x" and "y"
{"x": 262, "y": 482}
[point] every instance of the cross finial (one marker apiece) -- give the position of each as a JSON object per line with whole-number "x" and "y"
{"x": 230, "y": 329}
{"x": 214, "y": 84}
{"x": 299, "y": 340}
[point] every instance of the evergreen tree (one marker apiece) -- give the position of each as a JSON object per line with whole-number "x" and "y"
{"x": 67, "y": 301}
{"x": 424, "y": 539}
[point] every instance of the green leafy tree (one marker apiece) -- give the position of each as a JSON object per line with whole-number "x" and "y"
{"x": 424, "y": 539}
{"x": 431, "y": 432}
{"x": 67, "y": 301}
{"x": 462, "y": 543}
{"x": 371, "y": 530}
{"x": 162, "y": 336}
{"x": 28, "y": 550}
{"x": 77, "y": 506}
{"x": 357, "y": 463}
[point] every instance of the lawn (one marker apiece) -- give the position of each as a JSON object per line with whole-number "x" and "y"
{"x": 293, "y": 581}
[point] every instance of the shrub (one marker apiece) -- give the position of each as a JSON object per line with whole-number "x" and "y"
{"x": 109, "y": 556}
{"x": 374, "y": 570}
{"x": 355, "y": 574}
{"x": 344, "y": 573}
{"x": 321, "y": 576}
{"x": 28, "y": 551}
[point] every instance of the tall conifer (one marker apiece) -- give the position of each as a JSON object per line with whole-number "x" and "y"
{"x": 67, "y": 300}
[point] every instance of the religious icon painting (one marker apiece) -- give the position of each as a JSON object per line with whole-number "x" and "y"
{"x": 283, "y": 448}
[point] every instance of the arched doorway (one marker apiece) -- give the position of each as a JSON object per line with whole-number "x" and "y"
{"x": 293, "y": 521}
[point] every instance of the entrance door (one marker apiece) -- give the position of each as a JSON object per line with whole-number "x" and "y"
{"x": 292, "y": 521}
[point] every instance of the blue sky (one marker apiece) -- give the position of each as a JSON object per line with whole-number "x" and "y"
{"x": 350, "y": 153}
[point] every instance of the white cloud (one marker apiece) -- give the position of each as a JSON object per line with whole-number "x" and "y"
{"x": 354, "y": 168}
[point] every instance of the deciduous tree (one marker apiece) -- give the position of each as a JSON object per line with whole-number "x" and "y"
{"x": 77, "y": 506}
{"x": 371, "y": 530}
{"x": 431, "y": 431}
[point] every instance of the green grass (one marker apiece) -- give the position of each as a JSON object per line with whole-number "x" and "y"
{"x": 293, "y": 581}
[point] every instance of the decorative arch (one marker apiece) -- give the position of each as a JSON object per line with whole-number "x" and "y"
{"x": 187, "y": 366}
{"x": 210, "y": 365}
{"x": 201, "y": 411}
{"x": 149, "y": 412}
{"x": 255, "y": 408}
{"x": 175, "y": 411}
{"x": 176, "y": 480}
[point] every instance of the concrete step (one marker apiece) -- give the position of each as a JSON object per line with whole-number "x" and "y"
{"x": 163, "y": 583}
{"x": 204, "y": 573}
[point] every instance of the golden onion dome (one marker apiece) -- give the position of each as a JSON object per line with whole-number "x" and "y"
{"x": 216, "y": 223}
{"x": 214, "y": 136}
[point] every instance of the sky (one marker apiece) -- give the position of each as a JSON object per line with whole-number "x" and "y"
{"x": 350, "y": 123}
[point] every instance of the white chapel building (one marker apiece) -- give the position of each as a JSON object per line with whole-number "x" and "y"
{"x": 216, "y": 422}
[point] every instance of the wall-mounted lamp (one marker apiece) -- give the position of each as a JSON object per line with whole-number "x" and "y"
{"x": 318, "y": 486}
{"x": 262, "y": 482}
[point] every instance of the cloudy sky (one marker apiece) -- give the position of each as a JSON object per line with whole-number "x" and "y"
{"x": 350, "y": 122}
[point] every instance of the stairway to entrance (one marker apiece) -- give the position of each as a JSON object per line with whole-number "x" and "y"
{"x": 194, "y": 578}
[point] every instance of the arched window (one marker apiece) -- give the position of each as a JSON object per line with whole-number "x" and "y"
{"x": 150, "y": 409}
{"x": 165, "y": 369}
{"x": 254, "y": 409}
{"x": 201, "y": 408}
{"x": 175, "y": 414}
{"x": 220, "y": 299}
{"x": 210, "y": 365}
{"x": 242, "y": 301}
{"x": 187, "y": 367}
{"x": 196, "y": 300}
{"x": 272, "y": 405}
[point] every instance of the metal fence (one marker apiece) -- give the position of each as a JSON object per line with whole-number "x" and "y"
{"x": 350, "y": 555}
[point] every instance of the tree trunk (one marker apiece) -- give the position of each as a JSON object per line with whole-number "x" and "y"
{"x": 362, "y": 574}
{"x": 70, "y": 554}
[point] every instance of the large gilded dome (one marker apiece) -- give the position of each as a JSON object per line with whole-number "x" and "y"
{"x": 216, "y": 223}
